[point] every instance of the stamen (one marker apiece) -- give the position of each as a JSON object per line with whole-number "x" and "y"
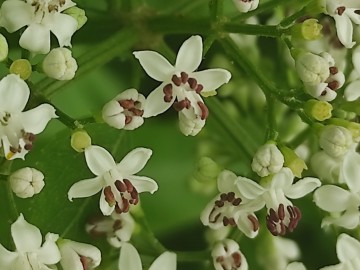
{"x": 237, "y": 259}
{"x": 168, "y": 91}
{"x": 126, "y": 103}
{"x": 340, "y": 10}
{"x": 128, "y": 119}
{"x": 204, "y": 110}
{"x": 120, "y": 186}
{"x": 109, "y": 196}
{"x": 176, "y": 80}
{"x": 333, "y": 70}
{"x": 185, "y": 103}
{"x": 254, "y": 221}
{"x": 199, "y": 88}
{"x": 334, "y": 85}
{"x": 184, "y": 77}
{"x": 192, "y": 83}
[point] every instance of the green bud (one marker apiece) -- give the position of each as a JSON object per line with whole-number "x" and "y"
{"x": 21, "y": 67}
{"x": 80, "y": 140}
{"x": 318, "y": 109}
{"x": 309, "y": 30}
{"x": 4, "y": 48}
{"x": 78, "y": 14}
{"x": 293, "y": 161}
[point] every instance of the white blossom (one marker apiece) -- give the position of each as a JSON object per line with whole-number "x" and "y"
{"x": 18, "y": 128}
{"x": 26, "y": 182}
{"x": 226, "y": 255}
{"x": 246, "y": 5}
{"x": 119, "y": 185}
{"x": 268, "y": 159}
{"x": 59, "y": 64}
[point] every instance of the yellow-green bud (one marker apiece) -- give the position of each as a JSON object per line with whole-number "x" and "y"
{"x": 4, "y": 48}
{"x": 21, "y": 67}
{"x": 80, "y": 140}
{"x": 353, "y": 127}
{"x": 309, "y": 30}
{"x": 293, "y": 161}
{"x": 318, "y": 109}
{"x": 78, "y": 14}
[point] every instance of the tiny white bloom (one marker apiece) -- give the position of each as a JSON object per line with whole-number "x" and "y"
{"x": 78, "y": 256}
{"x": 18, "y": 128}
{"x": 125, "y": 111}
{"x": 228, "y": 208}
{"x": 180, "y": 82}
{"x": 29, "y": 254}
{"x": 41, "y": 17}
{"x": 246, "y": 5}
{"x": 130, "y": 259}
{"x": 267, "y": 160}
{"x": 335, "y": 140}
{"x": 119, "y": 185}
{"x": 227, "y": 256}
{"x": 347, "y": 250}
{"x": 282, "y": 215}
{"x": 26, "y": 182}
{"x": 59, "y": 64}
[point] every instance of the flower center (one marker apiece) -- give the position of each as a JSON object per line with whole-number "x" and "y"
{"x": 230, "y": 262}
{"x": 279, "y": 222}
{"x": 42, "y": 7}
{"x": 131, "y": 108}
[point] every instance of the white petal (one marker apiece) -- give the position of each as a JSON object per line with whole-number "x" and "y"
{"x": 331, "y": 198}
{"x": 155, "y": 65}
{"x": 155, "y": 103}
{"x": 226, "y": 181}
{"x": 74, "y": 250}
{"x": 204, "y": 215}
{"x": 212, "y": 79}
{"x": 350, "y": 171}
{"x": 7, "y": 258}
{"x": 63, "y": 26}
{"x": 85, "y": 188}
{"x": 27, "y": 237}
{"x": 36, "y": 38}
{"x": 248, "y": 188}
{"x": 352, "y": 91}
{"x": 15, "y": 14}
{"x": 143, "y": 183}
{"x": 283, "y": 179}
{"x": 245, "y": 225}
{"x": 287, "y": 247}
{"x": 134, "y": 161}
{"x": 344, "y": 29}
{"x": 49, "y": 253}
{"x": 302, "y": 187}
{"x": 166, "y": 261}
{"x": 105, "y": 208}
{"x": 326, "y": 167}
{"x": 349, "y": 220}
{"x": 356, "y": 59}
{"x": 136, "y": 122}
{"x": 70, "y": 260}
{"x": 189, "y": 56}
{"x": 129, "y": 258}
{"x": 14, "y": 94}
{"x": 347, "y": 248}
{"x": 35, "y": 120}
{"x": 99, "y": 160}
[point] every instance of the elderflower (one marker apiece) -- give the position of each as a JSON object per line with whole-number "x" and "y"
{"x": 59, "y": 64}
{"x": 26, "y": 182}
{"x": 226, "y": 255}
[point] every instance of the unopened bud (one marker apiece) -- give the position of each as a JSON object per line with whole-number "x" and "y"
{"x": 190, "y": 124}
{"x": 353, "y": 127}
{"x": 26, "y": 182}
{"x": 80, "y": 140}
{"x": 335, "y": 140}
{"x": 318, "y": 109}
{"x": 59, "y": 64}
{"x": 4, "y": 48}
{"x": 312, "y": 68}
{"x": 267, "y": 160}
{"x": 21, "y": 67}
{"x": 310, "y": 29}
{"x": 78, "y": 14}
{"x": 293, "y": 161}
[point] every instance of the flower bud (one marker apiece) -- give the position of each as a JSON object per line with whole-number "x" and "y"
{"x": 4, "y": 48}
{"x": 78, "y": 14}
{"x": 21, "y": 67}
{"x": 292, "y": 161}
{"x": 26, "y": 182}
{"x": 353, "y": 127}
{"x": 59, "y": 64}
{"x": 267, "y": 160}
{"x": 310, "y": 29}
{"x": 318, "y": 110}
{"x": 312, "y": 68}
{"x": 80, "y": 140}
{"x": 189, "y": 124}
{"x": 227, "y": 255}
{"x": 335, "y": 140}
{"x": 246, "y": 6}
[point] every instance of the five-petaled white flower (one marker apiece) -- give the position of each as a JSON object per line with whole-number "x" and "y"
{"x": 181, "y": 82}
{"x": 18, "y": 128}
{"x": 130, "y": 259}
{"x": 347, "y": 250}
{"x": 230, "y": 208}
{"x": 119, "y": 185}
{"x": 345, "y": 13}
{"x": 282, "y": 215}
{"x": 29, "y": 254}
{"x": 78, "y": 256}
{"x": 227, "y": 256}
{"x": 41, "y": 17}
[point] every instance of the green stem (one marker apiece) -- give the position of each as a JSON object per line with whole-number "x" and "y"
{"x": 288, "y": 21}
{"x": 272, "y": 133}
{"x": 216, "y": 9}
{"x": 251, "y": 29}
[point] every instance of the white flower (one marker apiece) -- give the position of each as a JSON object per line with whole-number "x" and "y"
{"x": 78, "y": 256}
{"x": 117, "y": 228}
{"x": 180, "y": 82}
{"x": 119, "y": 185}
{"x": 267, "y": 160}
{"x": 228, "y": 208}
{"x": 29, "y": 254}
{"x": 227, "y": 256}
{"x": 246, "y": 5}
{"x": 282, "y": 215}
{"x": 18, "y": 128}
{"x": 59, "y": 64}
{"x": 347, "y": 250}
{"x": 41, "y": 17}
{"x": 130, "y": 259}
{"x": 26, "y": 182}
{"x": 335, "y": 140}
{"x": 345, "y": 13}
{"x": 125, "y": 111}
{"x": 296, "y": 266}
